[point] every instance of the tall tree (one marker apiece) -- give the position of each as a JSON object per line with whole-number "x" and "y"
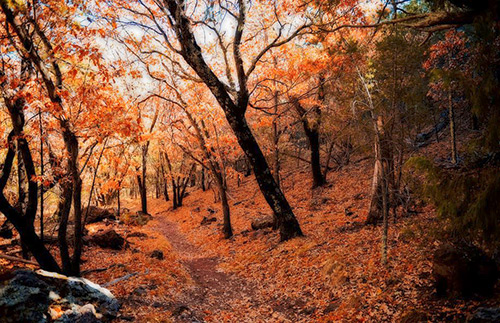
{"x": 233, "y": 99}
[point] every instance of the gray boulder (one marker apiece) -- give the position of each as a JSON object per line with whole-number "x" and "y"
{"x": 41, "y": 296}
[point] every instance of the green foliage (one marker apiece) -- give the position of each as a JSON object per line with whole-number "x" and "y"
{"x": 484, "y": 211}
{"x": 484, "y": 92}
{"x": 417, "y": 7}
{"x": 468, "y": 200}
{"x": 401, "y": 80}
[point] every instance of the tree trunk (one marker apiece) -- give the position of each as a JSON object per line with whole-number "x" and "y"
{"x": 383, "y": 171}
{"x": 385, "y": 216}
{"x": 165, "y": 190}
{"x": 22, "y": 222}
{"x": 164, "y": 179}
{"x": 452, "y": 129}
{"x": 202, "y": 180}
{"x": 183, "y": 185}
{"x": 21, "y": 193}
{"x": 142, "y": 194}
{"x": 318, "y": 179}
{"x": 226, "y": 228}
{"x": 42, "y": 166}
{"x": 235, "y": 111}
{"x": 71, "y": 143}
{"x": 64, "y": 208}
{"x": 179, "y": 192}
{"x": 328, "y": 157}
{"x": 276, "y": 139}
{"x": 311, "y": 129}
{"x": 24, "y": 216}
{"x": 52, "y": 80}
{"x": 118, "y": 202}
{"x": 285, "y": 219}
{"x": 30, "y": 238}
{"x": 378, "y": 129}
{"x": 217, "y": 170}
{"x": 175, "y": 204}
{"x": 375, "y": 204}
{"x": 157, "y": 186}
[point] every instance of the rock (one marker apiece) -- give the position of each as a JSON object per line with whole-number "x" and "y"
{"x": 262, "y": 223}
{"x": 207, "y": 220}
{"x": 485, "y": 315}
{"x": 97, "y": 214}
{"x": 108, "y": 239}
{"x": 211, "y": 211}
{"x": 79, "y": 314}
{"x": 28, "y": 296}
{"x": 463, "y": 271}
{"x": 25, "y": 298}
{"x": 157, "y": 254}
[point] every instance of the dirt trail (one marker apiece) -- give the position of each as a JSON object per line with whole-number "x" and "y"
{"x": 214, "y": 290}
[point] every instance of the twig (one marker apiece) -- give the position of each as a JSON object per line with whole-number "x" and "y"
{"x": 117, "y": 280}
{"x": 13, "y": 252}
{"x": 19, "y": 260}
{"x": 127, "y": 276}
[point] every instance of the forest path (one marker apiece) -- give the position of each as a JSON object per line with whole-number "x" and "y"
{"x": 214, "y": 290}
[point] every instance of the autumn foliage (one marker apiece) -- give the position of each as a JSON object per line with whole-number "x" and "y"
{"x": 362, "y": 136}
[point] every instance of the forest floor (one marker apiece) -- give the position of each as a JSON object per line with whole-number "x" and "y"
{"x": 332, "y": 274}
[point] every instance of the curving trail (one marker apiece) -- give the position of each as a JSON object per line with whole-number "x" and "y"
{"x": 213, "y": 289}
